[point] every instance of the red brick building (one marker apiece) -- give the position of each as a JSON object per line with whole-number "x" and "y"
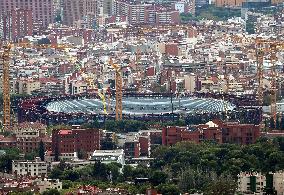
{"x": 16, "y": 24}
{"x": 197, "y": 134}
{"x": 171, "y": 49}
{"x": 144, "y": 143}
{"x": 221, "y": 132}
{"x": 70, "y": 141}
{"x": 7, "y": 142}
{"x": 234, "y": 132}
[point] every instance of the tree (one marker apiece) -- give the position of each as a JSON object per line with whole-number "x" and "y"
{"x": 71, "y": 175}
{"x": 41, "y": 150}
{"x": 282, "y": 123}
{"x": 272, "y": 123}
{"x": 99, "y": 171}
{"x": 81, "y": 154}
{"x": 56, "y": 154}
{"x": 168, "y": 189}
{"x": 51, "y": 192}
{"x": 6, "y": 160}
{"x": 221, "y": 186}
{"x": 31, "y": 155}
{"x": 158, "y": 177}
{"x": 277, "y": 122}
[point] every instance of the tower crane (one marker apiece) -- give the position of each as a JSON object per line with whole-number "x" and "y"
{"x": 118, "y": 90}
{"x": 274, "y": 47}
{"x": 5, "y": 57}
{"x": 6, "y": 88}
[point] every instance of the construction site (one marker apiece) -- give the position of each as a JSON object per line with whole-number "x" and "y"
{"x": 135, "y": 76}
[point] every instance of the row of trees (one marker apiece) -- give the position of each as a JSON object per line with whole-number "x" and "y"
{"x": 186, "y": 167}
{"x": 278, "y": 124}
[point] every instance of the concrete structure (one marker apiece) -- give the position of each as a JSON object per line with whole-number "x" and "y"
{"x": 108, "y": 156}
{"x": 30, "y": 168}
{"x": 167, "y": 17}
{"x": 7, "y": 142}
{"x": 42, "y": 10}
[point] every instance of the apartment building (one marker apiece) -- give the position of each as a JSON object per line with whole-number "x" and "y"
{"x": 30, "y": 168}
{"x": 251, "y": 183}
{"x": 229, "y": 3}
{"x": 26, "y": 86}
{"x": 167, "y": 17}
{"x": 42, "y": 10}
{"x": 29, "y": 140}
{"x": 16, "y": 24}
{"x": 75, "y": 10}
{"x": 210, "y": 131}
{"x": 68, "y": 142}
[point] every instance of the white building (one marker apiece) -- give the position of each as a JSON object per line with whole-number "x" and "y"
{"x": 32, "y": 168}
{"x": 251, "y": 183}
{"x": 279, "y": 107}
{"x": 108, "y": 156}
{"x": 180, "y": 6}
{"x": 278, "y": 182}
{"x": 47, "y": 184}
{"x": 189, "y": 83}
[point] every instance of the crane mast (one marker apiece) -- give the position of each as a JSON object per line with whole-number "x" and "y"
{"x": 274, "y": 47}
{"x": 6, "y": 88}
{"x": 259, "y": 56}
{"x": 273, "y": 82}
{"x": 118, "y": 91}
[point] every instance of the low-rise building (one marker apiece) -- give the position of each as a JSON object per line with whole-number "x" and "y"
{"x": 234, "y": 132}
{"x": 207, "y": 132}
{"x": 108, "y": 156}
{"x": 30, "y": 168}
{"x": 256, "y": 183}
{"x": 66, "y": 142}
{"x": 132, "y": 146}
{"x": 47, "y": 184}
{"x": 251, "y": 183}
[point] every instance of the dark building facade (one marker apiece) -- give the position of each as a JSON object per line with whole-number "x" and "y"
{"x": 16, "y": 24}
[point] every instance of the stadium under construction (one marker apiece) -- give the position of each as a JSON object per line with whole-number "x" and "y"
{"x": 158, "y": 107}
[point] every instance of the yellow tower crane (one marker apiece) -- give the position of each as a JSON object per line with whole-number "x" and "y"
{"x": 118, "y": 90}
{"x": 6, "y": 73}
{"x": 259, "y": 60}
